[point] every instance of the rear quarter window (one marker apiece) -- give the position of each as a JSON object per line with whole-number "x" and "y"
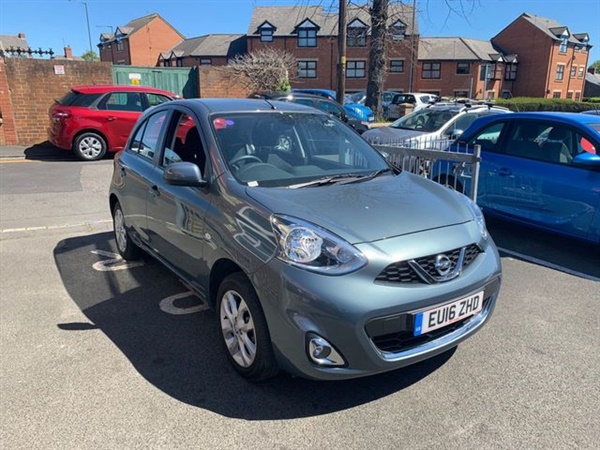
{"x": 74, "y": 98}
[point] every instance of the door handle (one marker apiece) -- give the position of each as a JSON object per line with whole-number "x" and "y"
{"x": 154, "y": 192}
{"x": 504, "y": 172}
{"x": 111, "y": 118}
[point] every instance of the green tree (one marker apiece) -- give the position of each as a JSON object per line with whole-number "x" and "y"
{"x": 596, "y": 66}
{"x": 90, "y": 56}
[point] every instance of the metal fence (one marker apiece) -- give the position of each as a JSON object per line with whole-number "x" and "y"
{"x": 459, "y": 171}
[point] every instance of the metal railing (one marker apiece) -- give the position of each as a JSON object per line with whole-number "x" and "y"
{"x": 459, "y": 171}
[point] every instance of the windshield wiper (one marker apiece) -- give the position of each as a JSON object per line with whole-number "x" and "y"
{"x": 343, "y": 178}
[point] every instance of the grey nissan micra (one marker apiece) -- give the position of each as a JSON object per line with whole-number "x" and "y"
{"x": 318, "y": 257}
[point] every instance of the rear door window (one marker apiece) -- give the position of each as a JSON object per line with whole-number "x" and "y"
{"x": 122, "y": 101}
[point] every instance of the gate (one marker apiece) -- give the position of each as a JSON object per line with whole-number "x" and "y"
{"x": 459, "y": 171}
{"x": 180, "y": 80}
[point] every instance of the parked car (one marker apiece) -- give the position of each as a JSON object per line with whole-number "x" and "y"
{"x": 361, "y": 97}
{"x": 353, "y": 109}
{"x": 538, "y": 169}
{"x": 393, "y": 110}
{"x": 93, "y": 120}
{"x": 433, "y": 127}
{"x": 318, "y": 256}
{"x": 319, "y": 102}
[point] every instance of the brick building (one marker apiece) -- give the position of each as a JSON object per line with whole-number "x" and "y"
{"x": 139, "y": 42}
{"x": 209, "y": 50}
{"x": 310, "y": 34}
{"x": 460, "y": 67}
{"x": 552, "y": 59}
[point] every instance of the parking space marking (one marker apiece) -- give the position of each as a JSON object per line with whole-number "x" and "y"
{"x": 168, "y": 304}
{"x": 55, "y": 227}
{"x": 114, "y": 262}
{"x": 16, "y": 160}
{"x": 548, "y": 264}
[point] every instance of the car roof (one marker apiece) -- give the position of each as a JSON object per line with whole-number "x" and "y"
{"x": 228, "y": 105}
{"x": 102, "y": 89}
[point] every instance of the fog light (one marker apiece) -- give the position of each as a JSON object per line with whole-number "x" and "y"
{"x": 323, "y": 353}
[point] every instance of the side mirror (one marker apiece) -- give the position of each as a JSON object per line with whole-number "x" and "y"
{"x": 587, "y": 159}
{"x": 183, "y": 174}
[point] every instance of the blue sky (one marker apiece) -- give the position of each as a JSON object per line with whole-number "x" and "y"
{"x": 56, "y": 23}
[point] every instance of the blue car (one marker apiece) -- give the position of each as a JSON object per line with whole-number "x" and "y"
{"x": 356, "y": 110}
{"x": 538, "y": 169}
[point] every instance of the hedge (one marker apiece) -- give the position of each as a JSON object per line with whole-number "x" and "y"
{"x": 545, "y": 104}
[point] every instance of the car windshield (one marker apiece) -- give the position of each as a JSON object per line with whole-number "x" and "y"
{"x": 428, "y": 119}
{"x": 290, "y": 149}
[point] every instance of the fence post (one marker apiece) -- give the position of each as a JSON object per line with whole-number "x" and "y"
{"x": 475, "y": 172}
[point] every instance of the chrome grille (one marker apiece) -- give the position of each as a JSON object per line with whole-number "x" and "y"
{"x": 402, "y": 272}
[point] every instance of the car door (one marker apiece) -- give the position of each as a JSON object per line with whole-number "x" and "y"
{"x": 176, "y": 213}
{"x": 134, "y": 168}
{"x": 117, "y": 113}
{"x": 533, "y": 178}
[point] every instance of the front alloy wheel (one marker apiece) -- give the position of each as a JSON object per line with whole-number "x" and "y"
{"x": 244, "y": 330}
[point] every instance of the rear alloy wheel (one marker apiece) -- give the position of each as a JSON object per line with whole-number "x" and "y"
{"x": 125, "y": 246}
{"x": 90, "y": 146}
{"x": 244, "y": 330}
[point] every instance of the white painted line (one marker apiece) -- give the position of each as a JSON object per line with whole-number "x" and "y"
{"x": 56, "y": 227}
{"x": 168, "y": 305}
{"x": 550, "y": 265}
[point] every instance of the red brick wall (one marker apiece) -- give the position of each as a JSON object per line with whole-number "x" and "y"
{"x": 32, "y": 88}
{"x": 216, "y": 82}
{"x": 8, "y": 132}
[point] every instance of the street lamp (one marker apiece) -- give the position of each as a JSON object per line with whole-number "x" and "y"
{"x": 87, "y": 18}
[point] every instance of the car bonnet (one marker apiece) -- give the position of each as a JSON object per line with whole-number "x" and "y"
{"x": 368, "y": 211}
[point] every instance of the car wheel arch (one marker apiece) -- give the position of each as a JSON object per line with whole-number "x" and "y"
{"x": 220, "y": 270}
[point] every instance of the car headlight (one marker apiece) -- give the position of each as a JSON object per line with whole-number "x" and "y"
{"x": 478, "y": 216}
{"x": 310, "y": 247}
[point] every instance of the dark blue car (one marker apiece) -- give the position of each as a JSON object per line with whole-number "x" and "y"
{"x": 539, "y": 169}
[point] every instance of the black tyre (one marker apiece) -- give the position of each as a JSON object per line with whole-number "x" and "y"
{"x": 244, "y": 331}
{"x": 90, "y": 146}
{"x": 125, "y": 246}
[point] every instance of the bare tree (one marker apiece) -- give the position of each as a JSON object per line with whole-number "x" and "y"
{"x": 265, "y": 70}
{"x": 377, "y": 56}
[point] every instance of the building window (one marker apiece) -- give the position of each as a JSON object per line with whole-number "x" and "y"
{"x": 560, "y": 72}
{"x": 563, "y": 44}
{"x": 179, "y": 62}
{"x": 463, "y": 94}
{"x": 119, "y": 46}
{"x": 511, "y": 72}
{"x": 398, "y": 31}
{"x": 307, "y": 37}
{"x": 556, "y": 94}
{"x": 432, "y": 70}
{"x": 355, "y": 69}
{"x": 307, "y": 69}
{"x": 570, "y": 95}
{"x": 167, "y": 63}
{"x": 266, "y": 34}
{"x": 463, "y": 68}
{"x": 205, "y": 61}
{"x": 577, "y": 96}
{"x": 397, "y": 65}
{"x": 486, "y": 72}
{"x": 356, "y": 34}
{"x": 506, "y": 94}
{"x": 573, "y": 71}
{"x": 581, "y": 71}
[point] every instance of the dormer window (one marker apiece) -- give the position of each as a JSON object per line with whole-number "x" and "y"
{"x": 356, "y": 34}
{"x": 398, "y": 31}
{"x": 266, "y": 32}
{"x": 307, "y": 34}
{"x": 564, "y": 40}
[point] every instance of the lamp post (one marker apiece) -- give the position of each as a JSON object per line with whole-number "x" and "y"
{"x": 87, "y": 18}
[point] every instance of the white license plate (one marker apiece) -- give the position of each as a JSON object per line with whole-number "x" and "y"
{"x": 441, "y": 316}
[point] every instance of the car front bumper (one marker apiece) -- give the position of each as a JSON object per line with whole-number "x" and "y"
{"x": 358, "y": 315}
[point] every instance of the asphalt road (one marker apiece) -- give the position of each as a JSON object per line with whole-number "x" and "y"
{"x": 96, "y": 354}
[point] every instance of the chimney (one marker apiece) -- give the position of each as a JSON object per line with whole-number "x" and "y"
{"x": 21, "y": 35}
{"x": 68, "y": 52}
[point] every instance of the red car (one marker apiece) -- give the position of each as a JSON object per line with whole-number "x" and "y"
{"x": 91, "y": 120}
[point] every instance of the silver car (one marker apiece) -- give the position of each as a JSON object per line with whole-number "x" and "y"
{"x": 318, "y": 257}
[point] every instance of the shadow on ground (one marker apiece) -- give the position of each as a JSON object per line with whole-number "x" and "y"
{"x": 180, "y": 354}
{"x": 559, "y": 252}
{"x": 48, "y": 152}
